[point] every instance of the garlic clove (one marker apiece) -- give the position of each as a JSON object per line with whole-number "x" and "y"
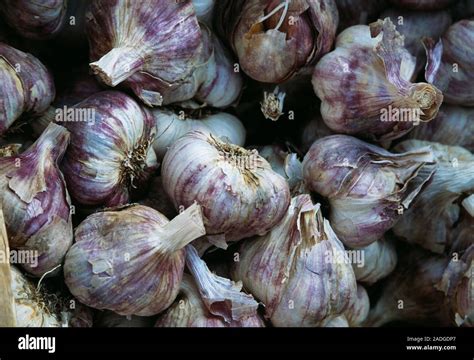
{"x": 358, "y": 311}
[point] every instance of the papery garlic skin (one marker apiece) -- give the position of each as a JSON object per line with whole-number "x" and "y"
{"x": 450, "y": 64}
{"x": 31, "y": 311}
{"x": 190, "y": 311}
{"x": 26, "y": 86}
{"x": 368, "y": 188}
{"x": 110, "y": 157}
{"x": 275, "y": 40}
{"x": 358, "y": 311}
{"x": 380, "y": 259}
{"x": 432, "y": 288}
{"x": 130, "y": 261}
{"x": 35, "y": 19}
{"x": 454, "y": 125}
{"x": 423, "y": 4}
{"x": 36, "y": 203}
{"x": 298, "y": 270}
{"x": 436, "y": 211}
{"x": 240, "y": 194}
{"x": 148, "y": 46}
{"x": 365, "y": 88}
{"x": 171, "y": 125}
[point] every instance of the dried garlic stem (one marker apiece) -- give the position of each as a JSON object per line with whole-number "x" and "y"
{"x": 272, "y": 104}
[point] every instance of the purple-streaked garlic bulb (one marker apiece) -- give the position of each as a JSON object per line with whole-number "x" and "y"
{"x": 130, "y": 260}
{"x": 427, "y": 289}
{"x": 299, "y": 270}
{"x": 240, "y": 194}
{"x": 436, "y": 211}
{"x": 450, "y": 64}
{"x": 379, "y": 260}
{"x": 454, "y": 126}
{"x": 171, "y": 125}
{"x": 110, "y": 158}
{"x": 358, "y": 12}
{"x": 423, "y": 4}
{"x": 415, "y": 25}
{"x": 189, "y": 310}
{"x": 36, "y": 203}
{"x": 35, "y": 19}
{"x": 215, "y": 81}
{"x": 368, "y": 188}
{"x": 149, "y": 46}
{"x": 275, "y": 39}
{"x": 26, "y": 86}
{"x": 365, "y": 85}
{"x": 109, "y": 319}
{"x": 358, "y": 310}
{"x": 286, "y": 164}
{"x": 31, "y": 306}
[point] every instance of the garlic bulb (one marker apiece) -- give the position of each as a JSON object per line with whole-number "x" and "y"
{"x": 423, "y": 4}
{"x": 190, "y": 311}
{"x": 109, "y": 319}
{"x": 110, "y": 157}
{"x": 35, "y": 19}
{"x": 221, "y": 296}
{"x": 31, "y": 308}
{"x": 130, "y": 260}
{"x": 368, "y": 188}
{"x": 275, "y": 39}
{"x": 171, "y": 126}
{"x": 299, "y": 270}
{"x": 358, "y": 12}
{"x": 429, "y": 221}
{"x": 36, "y": 203}
{"x": 374, "y": 68}
{"x": 454, "y": 126}
{"x": 240, "y": 194}
{"x": 415, "y": 25}
{"x": 380, "y": 259}
{"x": 450, "y": 63}
{"x": 149, "y": 46}
{"x": 426, "y": 289}
{"x": 26, "y": 83}
{"x": 358, "y": 311}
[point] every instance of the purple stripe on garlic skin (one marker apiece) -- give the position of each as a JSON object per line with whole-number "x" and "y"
{"x": 298, "y": 269}
{"x": 240, "y": 194}
{"x": 450, "y": 65}
{"x": 27, "y": 87}
{"x": 148, "y": 45}
{"x": 367, "y": 75}
{"x": 130, "y": 260}
{"x": 35, "y": 201}
{"x": 368, "y": 188}
{"x": 35, "y": 19}
{"x": 423, "y": 4}
{"x": 358, "y": 311}
{"x": 110, "y": 157}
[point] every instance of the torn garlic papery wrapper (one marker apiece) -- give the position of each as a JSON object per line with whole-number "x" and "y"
{"x": 299, "y": 270}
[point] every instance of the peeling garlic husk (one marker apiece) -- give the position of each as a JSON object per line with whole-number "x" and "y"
{"x": 240, "y": 194}
{"x": 368, "y": 188}
{"x": 35, "y": 19}
{"x": 380, "y": 259}
{"x": 109, "y": 173}
{"x": 375, "y": 70}
{"x": 26, "y": 83}
{"x": 299, "y": 270}
{"x": 190, "y": 311}
{"x": 133, "y": 44}
{"x": 426, "y": 289}
{"x": 454, "y": 125}
{"x": 171, "y": 125}
{"x": 275, "y": 40}
{"x": 415, "y": 25}
{"x": 423, "y": 4}
{"x": 130, "y": 260}
{"x": 358, "y": 311}
{"x": 36, "y": 202}
{"x": 450, "y": 65}
{"x": 432, "y": 216}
